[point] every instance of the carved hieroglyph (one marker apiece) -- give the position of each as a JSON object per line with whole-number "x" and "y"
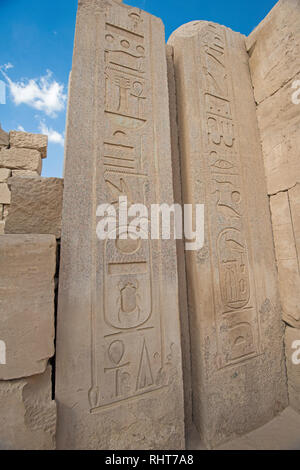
{"x": 119, "y": 377}
{"x": 236, "y": 334}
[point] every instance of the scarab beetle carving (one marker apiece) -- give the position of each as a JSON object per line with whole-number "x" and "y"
{"x": 129, "y": 300}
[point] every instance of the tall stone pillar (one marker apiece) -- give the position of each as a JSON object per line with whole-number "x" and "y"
{"x": 238, "y": 375}
{"x": 119, "y": 374}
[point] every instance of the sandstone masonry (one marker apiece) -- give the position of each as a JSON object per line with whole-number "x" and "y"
{"x": 274, "y": 51}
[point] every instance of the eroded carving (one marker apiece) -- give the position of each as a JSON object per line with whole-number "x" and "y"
{"x": 128, "y": 353}
{"x": 237, "y": 320}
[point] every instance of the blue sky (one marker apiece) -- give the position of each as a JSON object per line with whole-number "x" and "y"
{"x": 36, "y": 40}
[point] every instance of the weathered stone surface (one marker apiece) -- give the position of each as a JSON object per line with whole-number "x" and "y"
{"x": 4, "y": 138}
{"x": 36, "y": 205}
{"x": 287, "y": 255}
{"x": 2, "y": 225}
{"x": 184, "y": 319}
{"x": 279, "y": 123}
{"x": 5, "y": 210}
{"x": 4, "y": 174}
{"x": 282, "y": 433}
{"x": 292, "y": 351}
{"x": 294, "y": 200}
{"x": 5, "y": 195}
{"x": 274, "y": 49}
{"x": 238, "y": 373}
{"x": 21, "y": 159}
{"x": 27, "y": 271}
{"x": 30, "y": 141}
{"x": 27, "y": 413}
{"x": 119, "y": 375}
{"x": 25, "y": 173}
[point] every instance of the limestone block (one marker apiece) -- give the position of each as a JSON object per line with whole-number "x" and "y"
{"x": 4, "y": 138}
{"x": 5, "y": 195}
{"x": 292, "y": 351}
{"x": 5, "y": 211}
{"x": 279, "y": 123}
{"x": 274, "y": 49}
{"x": 118, "y": 375}
{"x": 29, "y": 141}
{"x": 25, "y": 173}
{"x": 287, "y": 257}
{"x": 27, "y": 268}
{"x": 21, "y": 159}
{"x": 238, "y": 374}
{"x": 2, "y": 225}
{"x": 5, "y": 173}
{"x": 36, "y": 205}
{"x": 1, "y": 211}
{"x": 27, "y": 414}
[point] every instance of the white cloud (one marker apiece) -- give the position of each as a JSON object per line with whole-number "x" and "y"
{"x": 21, "y": 128}
{"x": 44, "y": 94}
{"x": 53, "y": 136}
{"x": 8, "y": 66}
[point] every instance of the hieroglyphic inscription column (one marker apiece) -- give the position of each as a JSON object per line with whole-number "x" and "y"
{"x": 234, "y": 310}
{"x": 119, "y": 377}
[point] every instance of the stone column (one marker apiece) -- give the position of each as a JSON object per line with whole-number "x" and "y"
{"x": 238, "y": 375}
{"x": 119, "y": 374}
